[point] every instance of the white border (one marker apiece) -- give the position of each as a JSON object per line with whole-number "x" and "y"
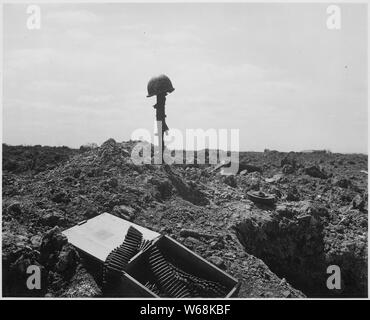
{"x": 173, "y": 1}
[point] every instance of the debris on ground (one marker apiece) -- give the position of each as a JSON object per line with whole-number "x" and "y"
{"x": 319, "y": 217}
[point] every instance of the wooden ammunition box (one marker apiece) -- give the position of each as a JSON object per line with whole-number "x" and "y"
{"x": 98, "y": 236}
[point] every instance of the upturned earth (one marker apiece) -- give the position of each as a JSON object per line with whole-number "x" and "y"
{"x": 320, "y": 217}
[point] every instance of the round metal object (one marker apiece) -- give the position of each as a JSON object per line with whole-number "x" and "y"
{"x": 261, "y": 197}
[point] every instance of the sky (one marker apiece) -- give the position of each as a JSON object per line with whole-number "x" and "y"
{"x": 273, "y": 71}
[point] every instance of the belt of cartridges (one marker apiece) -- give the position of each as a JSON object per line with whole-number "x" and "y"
{"x": 174, "y": 282}
{"x": 118, "y": 259}
{"x": 145, "y": 244}
{"x": 153, "y": 287}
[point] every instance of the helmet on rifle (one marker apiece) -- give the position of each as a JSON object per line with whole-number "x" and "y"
{"x": 158, "y": 85}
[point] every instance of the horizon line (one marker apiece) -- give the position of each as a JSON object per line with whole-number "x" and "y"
{"x": 326, "y": 150}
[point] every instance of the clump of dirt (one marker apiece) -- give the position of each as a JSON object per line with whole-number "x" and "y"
{"x": 317, "y": 220}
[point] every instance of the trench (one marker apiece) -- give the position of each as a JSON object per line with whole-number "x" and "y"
{"x": 296, "y": 252}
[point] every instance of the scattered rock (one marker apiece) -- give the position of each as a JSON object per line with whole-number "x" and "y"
{"x": 218, "y": 245}
{"x": 358, "y": 203}
{"x": 88, "y": 147}
{"x": 191, "y": 242}
{"x": 67, "y": 260}
{"x": 242, "y": 167}
{"x": 217, "y": 261}
{"x": 252, "y": 181}
{"x": 53, "y": 219}
{"x": 76, "y": 173}
{"x": 287, "y": 169}
{"x": 69, "y": 179}
{"x": 289, "y": 160}
{"x": 91, "y": 212}
{"x": 164, "y": 187}
{"x": 124, "y": 212}
{"x": 275, "y": 178}
{"x": 286, "y": 293}
{"x": 109, "y": 144}
{"x": 36, "y": 241}
{"x": 292, "y": 194}
{"x": 110, "y": 150}
{"x": 315, "y": 172}
{"x": 285, "y": 211}
{"x": 60, "y": 197}
{"x": 15, "y": 208}
{"x": 342, "y": 182}
{"x": 315, "y": 209}
{"x": 51, "y": 244}
{"x": 249, "y": 168}
{"x": 113, "y": 182}
{"x": 230, "y": 180}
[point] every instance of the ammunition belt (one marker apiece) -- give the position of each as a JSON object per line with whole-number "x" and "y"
{"x": 165, "y": 279}
{"x": 118, "y": 259}
{"x": 171, "y": 281}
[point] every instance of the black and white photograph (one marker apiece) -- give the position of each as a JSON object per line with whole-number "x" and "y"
{"x": 173, "y": 150}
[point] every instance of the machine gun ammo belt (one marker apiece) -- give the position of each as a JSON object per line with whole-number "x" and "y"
{"x": 117, "y": 260}
{"x": 165, "y": 279}
{"x": 171, "y": 281}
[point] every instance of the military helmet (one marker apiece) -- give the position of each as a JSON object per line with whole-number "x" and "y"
{"x": 158, "y": 85}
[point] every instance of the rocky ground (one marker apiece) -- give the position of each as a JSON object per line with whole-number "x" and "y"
{"x": 320, "y": 217}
